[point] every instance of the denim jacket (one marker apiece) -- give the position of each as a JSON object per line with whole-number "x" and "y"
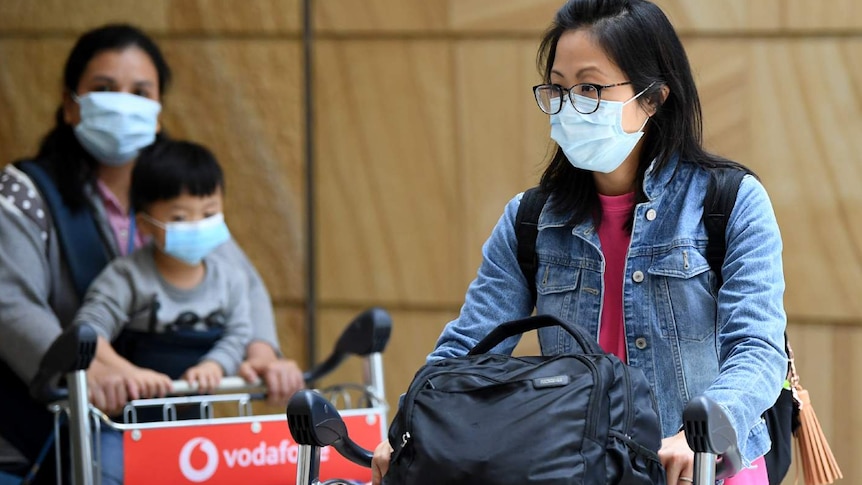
{"x": 688, "y": 336}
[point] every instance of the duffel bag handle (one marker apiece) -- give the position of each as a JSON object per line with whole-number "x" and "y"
{"x": 517, "y": 327}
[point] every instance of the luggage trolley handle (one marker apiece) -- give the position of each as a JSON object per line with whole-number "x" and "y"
{"x": 314, "y": 423}
{"x": 365, "y": 336}
{"x": 70, "y": 356}
{"x": 711, "y": 436}
{"x": 313, "y": 420}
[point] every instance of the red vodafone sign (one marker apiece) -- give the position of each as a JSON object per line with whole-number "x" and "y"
{"x": 253, "y": 450}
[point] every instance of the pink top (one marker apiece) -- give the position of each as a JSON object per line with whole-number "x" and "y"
{"x": 120, "y": 221}
{"x": 614, "y": 236}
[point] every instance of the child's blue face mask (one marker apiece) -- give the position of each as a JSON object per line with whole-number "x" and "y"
{"x": 192, "y": 241}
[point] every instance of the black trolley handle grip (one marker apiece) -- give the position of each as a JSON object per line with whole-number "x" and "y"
{"x": 709, "y": 434}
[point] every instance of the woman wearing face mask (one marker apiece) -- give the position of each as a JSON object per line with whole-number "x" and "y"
{"x": 66, "y": 213}
{"x": 622, "y": 233}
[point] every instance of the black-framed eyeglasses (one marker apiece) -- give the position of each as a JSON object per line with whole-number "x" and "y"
{"x": 549, "y": 97}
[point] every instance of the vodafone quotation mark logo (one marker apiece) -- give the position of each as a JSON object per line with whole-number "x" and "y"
{"x": 190, "y": 471}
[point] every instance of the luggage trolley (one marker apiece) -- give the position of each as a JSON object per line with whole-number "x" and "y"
{"x": 315, "y": 424}
{"x": 213, "y": 450}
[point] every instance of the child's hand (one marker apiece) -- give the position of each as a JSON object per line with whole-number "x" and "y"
{"x": 143, "y": 383}
{"x": 206, "y": 375}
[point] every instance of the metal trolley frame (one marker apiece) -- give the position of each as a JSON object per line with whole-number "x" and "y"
{"x": 366, "y": 337}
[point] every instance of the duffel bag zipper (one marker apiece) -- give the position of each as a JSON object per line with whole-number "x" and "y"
{"x": 592, "y": 411}
{"x": 630, "y": 415}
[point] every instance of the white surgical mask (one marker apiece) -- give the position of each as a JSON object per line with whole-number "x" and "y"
{"x": 115, "y": 127}
{"x": 597, "y": 141}
{"x": 190, "y": 241}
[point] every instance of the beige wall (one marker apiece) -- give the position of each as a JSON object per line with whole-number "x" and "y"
{"x": 426, "y": 127}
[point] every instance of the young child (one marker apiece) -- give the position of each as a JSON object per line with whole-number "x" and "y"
{"x": 172, "y": 309}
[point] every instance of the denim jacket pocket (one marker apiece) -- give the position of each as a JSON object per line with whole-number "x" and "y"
{"x": 553, "y": 277}
{"x": 557, "y": 287}
{"x": 685, "y": 299}
{"x": 679, "y": 262}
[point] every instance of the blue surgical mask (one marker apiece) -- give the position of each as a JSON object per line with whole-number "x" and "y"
{"x": 115, "y": 127}
{"x": 597, "y": 141}
{"x": 192, "y": 241}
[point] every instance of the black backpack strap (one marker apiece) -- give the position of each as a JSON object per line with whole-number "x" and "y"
{"x": 717, "y": 206}
{"x": 526, "y": 232}
{"x": 80, "y": 241}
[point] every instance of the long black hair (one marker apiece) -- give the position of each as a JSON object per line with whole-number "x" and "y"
{"x": 72, "y": 166}
{"x": 638, "y": 37}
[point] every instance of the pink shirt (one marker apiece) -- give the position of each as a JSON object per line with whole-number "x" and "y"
{"x": 614, "y": 236}
{"x": 119, "y": 220}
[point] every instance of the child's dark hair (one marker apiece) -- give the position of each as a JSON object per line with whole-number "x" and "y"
{"x": 168, "y": 168}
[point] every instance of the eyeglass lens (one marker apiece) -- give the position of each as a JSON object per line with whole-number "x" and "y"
{"x": 584, "y": 97}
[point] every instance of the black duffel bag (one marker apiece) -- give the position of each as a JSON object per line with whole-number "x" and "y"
{"x": 580, "y": 418}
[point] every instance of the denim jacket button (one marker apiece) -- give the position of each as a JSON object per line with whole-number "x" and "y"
{"x": 650, "y": 215}
{"x": 638, "y": 276}
{"x": 640, "y": 343}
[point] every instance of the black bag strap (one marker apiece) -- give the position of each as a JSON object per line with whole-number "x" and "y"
{"x": 717, "y": 206}
{"x": 78, "y": 233}
{"x": 517, "y": 327}
{"x": 526, "y": 232}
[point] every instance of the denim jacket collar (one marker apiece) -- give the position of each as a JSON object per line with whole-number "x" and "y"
{"x": 654, "y": 184}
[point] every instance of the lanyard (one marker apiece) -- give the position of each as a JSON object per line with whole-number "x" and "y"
{"x": 131, "y": 243}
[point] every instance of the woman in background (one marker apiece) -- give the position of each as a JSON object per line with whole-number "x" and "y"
{"x": 77, "y": 187}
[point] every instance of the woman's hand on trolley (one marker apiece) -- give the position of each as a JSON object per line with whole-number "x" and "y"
{"x": 677, "y": 459}
{"x": 113, "y": 380}
{"x": 106, "y": 387}
{"x": 111, "y": 388}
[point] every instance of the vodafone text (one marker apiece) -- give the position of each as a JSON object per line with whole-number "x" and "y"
{"x": 266, "y": 455}
{"x": 262, "y": 455}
